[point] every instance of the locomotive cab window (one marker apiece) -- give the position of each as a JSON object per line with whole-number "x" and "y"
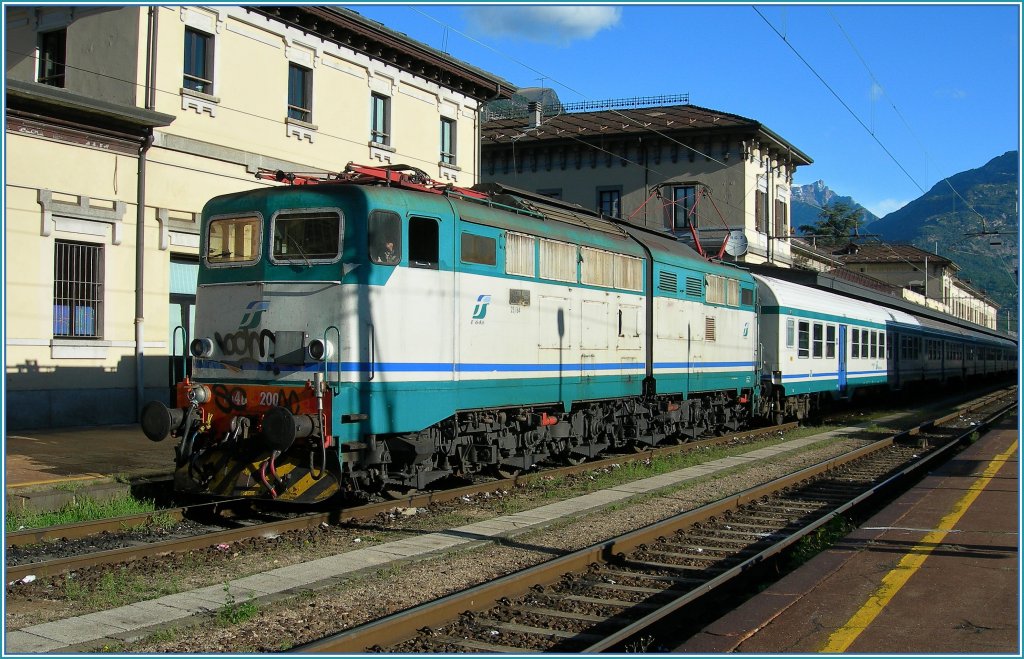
{"x": 307, "y": 237}
{"x": 423, "y": 243}
{"x": 234, "y": 240}
{"x": 384, "y": 235}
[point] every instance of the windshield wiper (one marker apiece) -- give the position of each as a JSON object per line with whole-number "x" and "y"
{"x": 295, "y": 243}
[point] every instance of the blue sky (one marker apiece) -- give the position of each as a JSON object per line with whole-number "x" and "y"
{"x": 937, "y": 86}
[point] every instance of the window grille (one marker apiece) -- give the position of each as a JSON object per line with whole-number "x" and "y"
{"x": 519, "y": 254}
{"x": 77, "y": 290}
{"x": 709, "y": 328}
{"x": 668, "y": 281}
{"x": 557, "y": 260}
{"x": 693, "y": 287}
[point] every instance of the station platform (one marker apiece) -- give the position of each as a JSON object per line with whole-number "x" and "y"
{"x": 936, "y": 571}
{"x": 43, "y": 469}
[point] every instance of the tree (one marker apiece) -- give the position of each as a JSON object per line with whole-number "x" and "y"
{"x": 836, "y": 224}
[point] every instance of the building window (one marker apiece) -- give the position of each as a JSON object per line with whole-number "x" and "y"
{"x": 198, "y": 70}
{"x": 300, "y": 93}
{"x": 77, "y": 290}
{"x": 52, "y": 56}
{"x": 380, "y": 119}
{"x": 781, "y": 218}
{"x": 685, "y": 207}
{"x": 761, "y": 211}
{"x": 609, "y": 202}
{"x": 447, "y": 141}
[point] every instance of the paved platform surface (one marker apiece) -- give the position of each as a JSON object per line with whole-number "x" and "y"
{"x": 937, "y": 571}
{"x": 45, "y": 470}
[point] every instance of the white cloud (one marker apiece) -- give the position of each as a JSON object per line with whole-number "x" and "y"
{"x": 883, "y": 207}
{"x": 553, "y": 24}
{"x": 876, "y": 91}
{"x": 952, "y": 94}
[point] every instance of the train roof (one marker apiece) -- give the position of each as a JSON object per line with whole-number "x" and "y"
{"x": 787, "y": 294}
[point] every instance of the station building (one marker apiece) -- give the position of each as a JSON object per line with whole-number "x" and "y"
{"x": 123, "y": 121}
{"x": 702, "y": 174}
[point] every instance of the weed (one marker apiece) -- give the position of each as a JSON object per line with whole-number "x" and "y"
{"x": 162, "y": 520}
{"x": 164, "y": 635}
{"x": 823, "y": 537}
{"x": 234, "y": 612}
{"x": 112, "y": 648}
{"x": 73, "y": 588}
{"x": 83, "y": 509}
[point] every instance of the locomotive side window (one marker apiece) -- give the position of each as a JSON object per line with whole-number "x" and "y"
{"x": 803, "y": 339}
{"x": 384, "y": 235}
{"x": 519, "y": 254}
{"x": 306, "y": 237}
{"x": 423, "y": 243}
{"x": 234, "y": 240}
{"x": 479, "y": 249}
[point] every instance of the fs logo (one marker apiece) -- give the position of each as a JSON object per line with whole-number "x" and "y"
{"x": 480, "y": 310}
{"x": 253, "y": 314}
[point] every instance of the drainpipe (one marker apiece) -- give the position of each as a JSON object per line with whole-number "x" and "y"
{"x": 140, "y": 248}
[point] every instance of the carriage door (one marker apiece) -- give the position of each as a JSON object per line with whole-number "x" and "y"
{"x": 842, "y": 359}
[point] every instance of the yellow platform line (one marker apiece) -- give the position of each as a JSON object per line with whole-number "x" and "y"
{"x": 842, "y": 638}
{"x": 64, "y": 479}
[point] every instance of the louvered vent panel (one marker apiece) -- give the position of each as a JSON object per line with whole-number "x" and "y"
{"x": 668, "y": 282}
{"x": 709, "y": 328}
{"x": 693, "y": 287}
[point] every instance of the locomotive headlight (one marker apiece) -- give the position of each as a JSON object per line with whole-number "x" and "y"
{"x": 320, "y": 350}
{"x": 199, "y": 393}
{"x": 201, "y": 347}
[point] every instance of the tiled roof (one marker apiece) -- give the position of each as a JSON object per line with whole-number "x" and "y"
{"x": 884, "y": 253}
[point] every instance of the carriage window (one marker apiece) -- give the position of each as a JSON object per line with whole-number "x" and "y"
{"x": 234, "y": 240}
{"x": 819, "y": 339}
{"x": 855, "y": 344}
{"x": 307, "y": 237}
{"x": 874, "y": 345}
{"x": 423, "y": 243}
{"x": 478, "y": 249}
{"x": 803, "y": 339}
{"x": 830, "y": 341}
{"x": 384, "y": 235}
{"x": 864, "y": 344}
{"x": 790, "y": 332}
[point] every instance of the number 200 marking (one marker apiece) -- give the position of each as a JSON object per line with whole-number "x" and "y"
{"x": 269, "y": 398}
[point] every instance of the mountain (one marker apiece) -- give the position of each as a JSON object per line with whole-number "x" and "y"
{"x": 807, "y": 201}
{"x": 985, "y": 202}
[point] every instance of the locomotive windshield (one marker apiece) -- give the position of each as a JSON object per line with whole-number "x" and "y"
{"x": 234, "y": 240}
{"x": 306, "y": 236}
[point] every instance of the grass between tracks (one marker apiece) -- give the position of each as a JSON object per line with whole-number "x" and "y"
{"x": 82, "y": 509}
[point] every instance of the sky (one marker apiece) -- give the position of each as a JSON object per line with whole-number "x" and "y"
{"x": 887, "y": 100}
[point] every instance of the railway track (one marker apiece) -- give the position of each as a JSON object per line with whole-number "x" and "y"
{"x": 608, "y": 596}
{"x": 242, "y": 529}
{"x": 136, "y": 549}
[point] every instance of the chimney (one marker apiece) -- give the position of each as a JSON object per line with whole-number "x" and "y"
{"x": 533, "y": 107}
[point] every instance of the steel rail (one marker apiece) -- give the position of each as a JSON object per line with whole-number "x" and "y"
{"x": 269, "y": 529}
{"x": 404, "y": 625}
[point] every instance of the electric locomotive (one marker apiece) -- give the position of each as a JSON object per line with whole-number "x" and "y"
{"x": 377, "y": 331}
